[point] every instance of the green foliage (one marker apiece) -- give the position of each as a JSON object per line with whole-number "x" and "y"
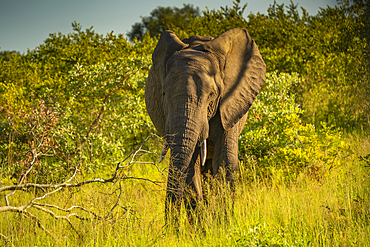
{"x": 275, "y": 141}
{"x": 162, "y": 19}
{"x": 8, "y": 55}
{"x": 104, "y": 118}
{"x": 33, "y": 139}
{"x": 43, "y": 72}
{"x": 93, "y": 85}
{"x": 115, "y": 90}
{"x": 214, "y": 22}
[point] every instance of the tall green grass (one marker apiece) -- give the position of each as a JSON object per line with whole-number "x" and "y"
{"x": 331, "y": 211}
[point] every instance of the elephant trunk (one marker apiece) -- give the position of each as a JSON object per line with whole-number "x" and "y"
{"x": 184, "y": 141}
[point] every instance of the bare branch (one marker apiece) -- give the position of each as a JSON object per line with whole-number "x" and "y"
{"x": 4, "y": 237}
{"x": 22, "y": 210}
{"x": 38, "y": 222}
{"x": 96, "y": 216}
{"x": 75, "y": 210}
{"x": 70, "y": 185}
{"x": 66, "y": 217}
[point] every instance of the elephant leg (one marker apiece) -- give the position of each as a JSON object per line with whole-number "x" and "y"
{"x": 225, "y": 147}
{"x": 226, "y": 156}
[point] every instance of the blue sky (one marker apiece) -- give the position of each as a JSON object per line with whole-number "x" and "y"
{"x": 27, "y": 23}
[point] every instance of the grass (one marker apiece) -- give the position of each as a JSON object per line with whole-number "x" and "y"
{"x": 331, "y": 211}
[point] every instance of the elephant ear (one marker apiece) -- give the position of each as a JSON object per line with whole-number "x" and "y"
{"x": 243, "y": 72}
{"x": 168, "y": 44}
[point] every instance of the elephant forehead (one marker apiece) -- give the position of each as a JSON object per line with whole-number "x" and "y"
{"x": 187, "y": 81}
{"x": 191, "y": 72}
{"x": 189, "y": 60}
{"x": 192, "y": 84}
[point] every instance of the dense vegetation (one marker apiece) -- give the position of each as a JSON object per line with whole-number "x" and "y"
{"x": 162, "y": 19}
{"x": 77, "y": 100}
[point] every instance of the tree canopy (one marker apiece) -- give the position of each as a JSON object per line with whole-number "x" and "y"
{"x": 162, "y": 19}
{"x": 7, "y": 55}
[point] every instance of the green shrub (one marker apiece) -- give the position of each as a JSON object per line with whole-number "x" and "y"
{"x": 275, "y": 142}
{"x": 103, "y": 120}
{"x": 116, "y": 91}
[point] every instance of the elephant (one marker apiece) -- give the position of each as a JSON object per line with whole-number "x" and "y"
{"x": 198, "y": 94}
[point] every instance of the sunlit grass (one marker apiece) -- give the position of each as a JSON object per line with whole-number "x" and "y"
{"x": 331, "y": 211}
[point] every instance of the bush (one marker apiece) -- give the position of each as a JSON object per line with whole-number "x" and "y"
{"x": 103, "y": 120}
{"x": 275, "y": 142}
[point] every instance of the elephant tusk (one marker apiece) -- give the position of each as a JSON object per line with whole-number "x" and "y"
{"x": 203, "y": 152}
{"x": 164, "y": 151}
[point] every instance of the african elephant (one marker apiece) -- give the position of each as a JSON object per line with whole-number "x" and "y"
{"x": 198, "y": 93}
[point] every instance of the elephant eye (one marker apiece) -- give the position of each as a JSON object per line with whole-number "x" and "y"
{"x": 211, "y": 95}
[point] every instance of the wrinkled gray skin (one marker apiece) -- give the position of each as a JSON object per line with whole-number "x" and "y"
{"x": 201, "y": 89}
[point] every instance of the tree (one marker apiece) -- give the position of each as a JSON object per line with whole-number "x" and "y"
{"x": 161, "y": 19}
{"x": 7, "y": 55}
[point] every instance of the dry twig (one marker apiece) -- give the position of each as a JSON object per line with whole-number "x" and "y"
{"x": 49, "y": 189}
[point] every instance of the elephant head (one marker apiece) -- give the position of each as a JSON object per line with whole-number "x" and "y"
{"x": 198, "y": 93}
